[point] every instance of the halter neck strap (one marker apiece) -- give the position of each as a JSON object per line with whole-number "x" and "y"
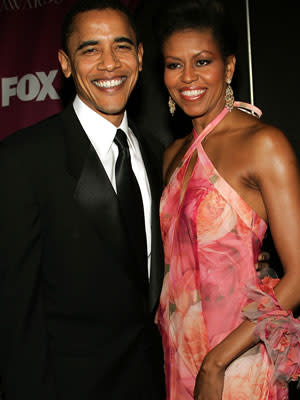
{"x": 248, "y": 108}
{"x": 206, "y": 130}
{"x": 210, "y": 126}
{"x": 251, "y": 109}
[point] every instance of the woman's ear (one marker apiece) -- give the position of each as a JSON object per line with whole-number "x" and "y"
{"x": 230, "y": 67}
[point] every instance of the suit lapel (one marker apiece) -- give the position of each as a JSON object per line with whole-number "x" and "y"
{"x": 94, "y": 192}
{"x": 155, "y": 181}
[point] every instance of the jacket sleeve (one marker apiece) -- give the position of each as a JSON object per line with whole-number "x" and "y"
{"x": 23, "y": 339}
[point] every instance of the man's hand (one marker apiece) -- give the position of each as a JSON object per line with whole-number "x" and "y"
{"x": 262, "y": 266}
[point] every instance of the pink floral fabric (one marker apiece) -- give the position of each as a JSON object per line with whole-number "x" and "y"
{"x": 211, "y": 239}
{"x": 278, "y": 329}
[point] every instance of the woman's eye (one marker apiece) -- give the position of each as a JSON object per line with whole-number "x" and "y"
{"x": 202, "y": 62}
{"x": 123, "y": 47}
{"x": 173, "y": 65}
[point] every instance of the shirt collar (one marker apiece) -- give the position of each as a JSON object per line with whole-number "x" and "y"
{"x": 99, "y": 130}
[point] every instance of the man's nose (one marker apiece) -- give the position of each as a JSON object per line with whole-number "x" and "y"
{"x": 109, "y": 60}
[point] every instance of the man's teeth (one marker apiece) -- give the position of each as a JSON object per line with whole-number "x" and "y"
{"x": 109, "y": 83}
{"x": 193, "y": 93}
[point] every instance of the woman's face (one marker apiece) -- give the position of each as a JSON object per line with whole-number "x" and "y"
{"x": 195, "y": 73}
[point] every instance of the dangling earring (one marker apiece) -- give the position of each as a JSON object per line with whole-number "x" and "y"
{"x": 229, "y": 98}
{"x": 172, "y": 106}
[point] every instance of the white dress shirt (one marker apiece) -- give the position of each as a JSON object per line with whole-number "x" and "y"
{"x": 101, "y": 134}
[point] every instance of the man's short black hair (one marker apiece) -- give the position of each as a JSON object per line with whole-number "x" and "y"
{"x": 89, "y": 5}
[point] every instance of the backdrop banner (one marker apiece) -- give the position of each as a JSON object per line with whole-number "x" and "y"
{"x": 30, "y": 78}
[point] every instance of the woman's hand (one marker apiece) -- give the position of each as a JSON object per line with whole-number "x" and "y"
{"x": 210, "y": 381}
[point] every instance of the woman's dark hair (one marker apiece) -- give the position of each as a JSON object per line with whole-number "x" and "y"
{"x": 90, "y": 5}
{"x": 180, "y": 15}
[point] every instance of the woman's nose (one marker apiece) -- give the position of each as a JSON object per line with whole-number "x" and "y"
{"x": 188, "y": 74}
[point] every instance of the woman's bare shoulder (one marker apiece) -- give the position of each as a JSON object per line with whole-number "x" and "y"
{"x": 269, "y": 150}
{"x": 174, "y": 148}
{"x": 260, "y": 135}
{"x": 268, "y": 139}
{"x": 173, "y": 155}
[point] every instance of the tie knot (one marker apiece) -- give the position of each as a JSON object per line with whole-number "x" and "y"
{"x": 121, "y": 139}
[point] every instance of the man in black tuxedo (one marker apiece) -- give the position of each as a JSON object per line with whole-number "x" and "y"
{"x": 81, "y": 265}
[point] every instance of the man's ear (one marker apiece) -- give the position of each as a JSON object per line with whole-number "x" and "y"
{"x": 140, "y": 53}
{"x": 65, "y": 63}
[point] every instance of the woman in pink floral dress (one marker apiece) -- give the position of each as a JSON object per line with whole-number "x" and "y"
{"x": 226, "y": 334}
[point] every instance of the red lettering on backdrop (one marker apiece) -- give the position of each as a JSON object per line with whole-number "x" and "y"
{"x": 30, "y": 78}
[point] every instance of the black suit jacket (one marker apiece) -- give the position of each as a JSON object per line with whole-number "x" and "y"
{"x": 76, "y": 320}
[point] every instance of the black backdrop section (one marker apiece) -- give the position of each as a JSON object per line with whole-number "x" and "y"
{"x": 276, "y": 34}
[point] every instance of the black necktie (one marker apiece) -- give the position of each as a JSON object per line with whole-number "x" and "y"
{"x": 131, "y": 204}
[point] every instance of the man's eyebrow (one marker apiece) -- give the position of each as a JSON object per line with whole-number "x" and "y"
{"x": 123, "y": 39}
{"x": 120, "y": 39}
{"x": 87, "y": 43}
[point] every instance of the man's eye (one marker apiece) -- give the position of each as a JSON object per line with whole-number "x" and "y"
{"x": 90, "y": 50}
{"x": 172, "y": 65}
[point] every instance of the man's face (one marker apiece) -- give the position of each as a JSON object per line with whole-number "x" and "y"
{"x": 104, "y": 61}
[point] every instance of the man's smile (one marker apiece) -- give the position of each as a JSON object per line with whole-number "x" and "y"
{"x": 109, "y": 83}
